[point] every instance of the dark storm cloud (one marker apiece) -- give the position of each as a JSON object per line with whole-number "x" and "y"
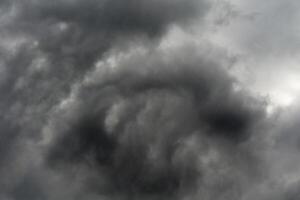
{"x": 150, "y": 123}
{"x": 57, "y": 42}
{"x": 76, "y": 33}
{"x": 150, "y": 17}
{"x": 155, "y": 124}
{"x": 46, "y": 47}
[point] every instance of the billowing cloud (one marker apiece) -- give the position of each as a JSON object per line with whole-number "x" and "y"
{"x": 160, "y": 124}
{"x": 123, "y": 99}
{"x": 47, "y": 46}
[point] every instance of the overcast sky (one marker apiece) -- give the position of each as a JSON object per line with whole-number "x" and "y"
{"x": 149, "y": 100}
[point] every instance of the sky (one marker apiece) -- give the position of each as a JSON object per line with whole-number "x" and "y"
{"x": 149, "y": 100}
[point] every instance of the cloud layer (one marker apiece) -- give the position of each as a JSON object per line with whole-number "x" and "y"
{"x": 158, "y": 125}
{"x": 102, "y": 100}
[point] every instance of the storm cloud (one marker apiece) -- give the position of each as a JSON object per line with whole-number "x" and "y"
{"x": 125, "y": 99}
{"x": 158, "y": 124}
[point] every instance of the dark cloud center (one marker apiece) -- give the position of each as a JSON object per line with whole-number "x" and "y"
{"x": 139, "y": 137}
{"x": 157, "y": 126}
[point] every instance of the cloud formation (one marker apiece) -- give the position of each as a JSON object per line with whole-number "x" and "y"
{"x": 158, "y": 124}
{"x": 100, "y": 101}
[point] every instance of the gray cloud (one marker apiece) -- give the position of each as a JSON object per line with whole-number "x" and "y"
{"x": 94, "y": 107}
{"x": 46, "y": 47}
{"x": 157, "y": 128}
